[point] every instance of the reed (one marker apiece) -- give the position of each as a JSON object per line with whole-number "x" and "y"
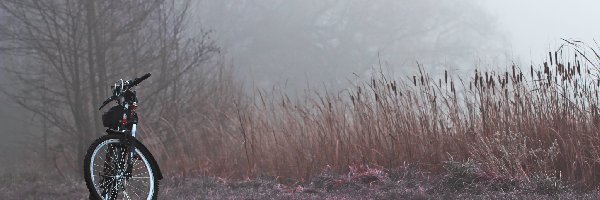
{"x": 514, "y": 126}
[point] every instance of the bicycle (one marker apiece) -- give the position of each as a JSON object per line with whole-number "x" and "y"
{"x": 117, "y": 165}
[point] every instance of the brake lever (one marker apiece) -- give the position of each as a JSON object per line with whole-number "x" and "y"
{"x": 106, "y": 102}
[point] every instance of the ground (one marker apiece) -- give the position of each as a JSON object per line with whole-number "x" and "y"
{"x": 357, "y": 184}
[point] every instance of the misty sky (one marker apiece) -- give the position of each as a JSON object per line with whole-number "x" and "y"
{"x": 514, "y": 31}
{"x": 535, "y": 26}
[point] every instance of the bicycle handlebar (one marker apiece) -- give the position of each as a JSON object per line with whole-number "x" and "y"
{"x": 126, "y": 86}
{"x": 136, "y": 81}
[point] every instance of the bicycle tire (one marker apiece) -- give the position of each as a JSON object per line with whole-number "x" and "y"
{"x": 146, "y": 158}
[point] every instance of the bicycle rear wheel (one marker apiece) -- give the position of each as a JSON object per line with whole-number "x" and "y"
{"x": 112, "y": 172}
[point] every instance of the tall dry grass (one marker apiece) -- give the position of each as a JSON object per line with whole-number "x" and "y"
{"x": 516, "y": 123}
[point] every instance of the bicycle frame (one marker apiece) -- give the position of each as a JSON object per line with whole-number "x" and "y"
{"x": 128, "y": 125}
{"x": 130, "y": 104}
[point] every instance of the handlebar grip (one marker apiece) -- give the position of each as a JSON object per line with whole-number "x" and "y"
{"x": 140, "y": 79}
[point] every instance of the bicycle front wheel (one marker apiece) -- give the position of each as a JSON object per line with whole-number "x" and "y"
{"x": 115, "y": 167}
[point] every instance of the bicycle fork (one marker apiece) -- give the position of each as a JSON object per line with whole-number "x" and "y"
{"x": 131, "y": 152}
{"x": 110, "y": 187}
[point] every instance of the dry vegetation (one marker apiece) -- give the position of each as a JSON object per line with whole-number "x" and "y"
{"x": 539, "y": 121}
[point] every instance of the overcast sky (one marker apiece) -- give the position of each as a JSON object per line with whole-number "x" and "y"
{"x": 535, "y": 26}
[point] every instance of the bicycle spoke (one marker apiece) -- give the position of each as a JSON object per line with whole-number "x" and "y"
{"x": 147, "y": 177}
{"x": 140, "y": 174}
{"x": 109, "y": 165}
{"x": 126, "y": 195}
{"x": 134, "y": 164}
{"x": 141, "y": 167}
{"x": 106, "y": 189}
{"x": 99, "y": 166}
{"x": 136, "y": 188}
{"x": 141, "y": 181}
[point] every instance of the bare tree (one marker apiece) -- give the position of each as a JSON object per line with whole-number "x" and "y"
{"x": 71, "y": 50}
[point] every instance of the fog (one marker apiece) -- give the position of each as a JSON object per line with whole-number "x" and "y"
{"x": 286, "y": 43}
{"x": 535, "y": 27}
{"x": 299, "y": 44}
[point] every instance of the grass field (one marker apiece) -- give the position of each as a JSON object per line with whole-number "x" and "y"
{"x": 516, "y": 124}
{"x": 522, "y": 133}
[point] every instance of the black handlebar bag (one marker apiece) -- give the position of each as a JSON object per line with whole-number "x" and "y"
{"x": 112, "y": 118}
